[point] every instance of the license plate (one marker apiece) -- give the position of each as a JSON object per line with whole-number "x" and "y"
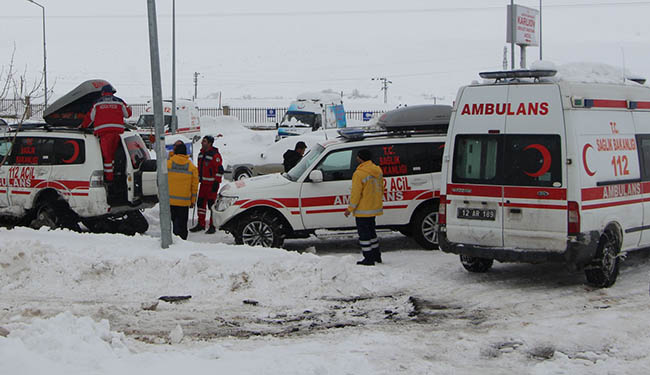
{"x": 476, "y": 214}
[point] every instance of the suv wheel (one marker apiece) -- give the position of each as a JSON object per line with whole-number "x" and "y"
{"x": 260, "y": 229}
{"x": 425, "y": 226}
{"x": 54, "y": 213}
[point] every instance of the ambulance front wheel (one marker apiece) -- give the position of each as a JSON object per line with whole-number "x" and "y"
{"x": 603, "y": 269}
{"x": 475, "y": 264}
{"x": 425, "y": 226}
{"x": 260, "y": 228}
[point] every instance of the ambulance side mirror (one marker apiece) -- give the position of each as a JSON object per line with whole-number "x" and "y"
{"x": 316, "y": 175}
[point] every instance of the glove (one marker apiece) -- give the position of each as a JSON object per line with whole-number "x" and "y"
{"x": 215, "y": 187}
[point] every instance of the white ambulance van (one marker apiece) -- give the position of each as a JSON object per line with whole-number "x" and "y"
{"x": 541, "y": 169}
{"x": 187, "y": 114}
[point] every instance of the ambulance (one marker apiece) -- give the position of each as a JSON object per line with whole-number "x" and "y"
{"x": 264, "y": 210}
{"x": 187, "y": 114}
{"x": 542, "y": 169}
{"x": 310, "y": 112}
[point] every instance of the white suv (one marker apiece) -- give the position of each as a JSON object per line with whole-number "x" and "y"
{"x": 54, "y": 177}
{"x": 314, "y": 194}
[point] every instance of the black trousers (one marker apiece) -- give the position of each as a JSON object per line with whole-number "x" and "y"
{"x": 367, "y": 234}
{"x": 179, "y": 220}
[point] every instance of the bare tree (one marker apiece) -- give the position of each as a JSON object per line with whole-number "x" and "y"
{"x": 13, "y": 83}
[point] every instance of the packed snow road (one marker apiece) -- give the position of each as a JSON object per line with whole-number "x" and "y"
{"x": 310, "y": 309}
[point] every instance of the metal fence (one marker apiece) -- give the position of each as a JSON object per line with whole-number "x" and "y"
{"x": 14, "y": 108}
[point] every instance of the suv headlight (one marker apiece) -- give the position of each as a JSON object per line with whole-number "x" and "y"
{"x": 224, "y": 202}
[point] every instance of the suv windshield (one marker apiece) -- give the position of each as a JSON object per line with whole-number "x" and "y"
{"x": 146, "y": 121}
{"x": 304, "y": 163}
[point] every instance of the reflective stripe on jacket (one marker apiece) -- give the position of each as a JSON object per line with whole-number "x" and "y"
{"x": 210, "y": 166}
{"x": 366, "y": 198}
{"x": 107, "y": 115}
{"x": 183, "y": 180}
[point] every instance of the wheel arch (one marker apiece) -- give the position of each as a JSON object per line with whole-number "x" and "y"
{"x": 46, "y": 195}
{"x": 232, "y": 222}
{"x": 435, "y": 202}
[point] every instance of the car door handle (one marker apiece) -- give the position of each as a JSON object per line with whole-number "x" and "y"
{"x": 515, "y": 210}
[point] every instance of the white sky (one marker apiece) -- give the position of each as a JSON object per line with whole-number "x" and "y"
{"x": 281, "y": 48}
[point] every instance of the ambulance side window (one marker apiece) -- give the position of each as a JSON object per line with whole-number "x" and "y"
{"x": 644, "y": 151}
{"x": 69, "y": 151}
{"x": 476, "y": 159}
{"x": 30, "y": 151}
{"x": 532, "y": 160}
{"x": 5, "y": 148}
{"x": 337, "y": 166}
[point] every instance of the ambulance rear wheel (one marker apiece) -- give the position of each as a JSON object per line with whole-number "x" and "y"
{"x": 603, "y": 270}
{"x": 54, "y": 212}
{"x": 475, "y": 264}
{"x": 261, "y": 228}
{"x": 425, "y": 226}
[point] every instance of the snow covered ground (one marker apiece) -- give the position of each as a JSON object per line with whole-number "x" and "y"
{"x": 88, "y": 303}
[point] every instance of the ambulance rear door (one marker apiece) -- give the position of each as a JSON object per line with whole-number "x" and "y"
{"x": 534, "y": 171}
{"x": 474, "y": 191}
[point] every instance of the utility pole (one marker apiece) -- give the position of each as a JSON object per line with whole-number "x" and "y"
{"x": 385, "y": 83}
{"x": 44, "y": 50}
{"x": 196, "y": 83}
{"x": 159, "y": 126}
{"x": 174, "y": 124}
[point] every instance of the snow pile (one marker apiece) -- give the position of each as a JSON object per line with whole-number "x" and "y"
{"x": 48, "y": 264}
{"x": 60, "y": 344}
{"x": 233, "y": 139}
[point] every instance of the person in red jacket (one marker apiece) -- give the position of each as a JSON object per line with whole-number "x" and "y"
{"x": 107, "y": 118}
{"x": 210, "y": 174}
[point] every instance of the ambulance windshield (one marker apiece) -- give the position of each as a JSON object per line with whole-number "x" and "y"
{"x": 304, "y": 163}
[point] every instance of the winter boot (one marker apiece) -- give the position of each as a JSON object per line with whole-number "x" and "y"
{"x": 211, "y": 230}
{"x": 376, "y": 255}
{"x": 197, "y": 228}
{"x": 368, "y": 259}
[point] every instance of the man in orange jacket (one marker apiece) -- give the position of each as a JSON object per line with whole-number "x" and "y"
{"x": 183, "y": 180}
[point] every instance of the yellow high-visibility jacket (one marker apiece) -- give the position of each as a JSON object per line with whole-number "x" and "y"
{"x": 183, "y": 180}
{"x": 367, "y": 196}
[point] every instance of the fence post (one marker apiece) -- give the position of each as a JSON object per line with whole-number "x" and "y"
{"x": 28, "y": 107}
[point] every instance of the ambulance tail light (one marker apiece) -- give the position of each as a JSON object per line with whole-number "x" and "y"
{"x": 97, "y": 179}
{"x": 573, "y": 218}
{"x": 442, "y": 210}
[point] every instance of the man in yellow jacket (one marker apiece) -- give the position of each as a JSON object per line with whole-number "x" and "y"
{"x": 366, "y": 203}
{"x": 183, "y": 180}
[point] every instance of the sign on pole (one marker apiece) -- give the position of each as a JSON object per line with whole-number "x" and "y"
{"x": 525, "y": 26}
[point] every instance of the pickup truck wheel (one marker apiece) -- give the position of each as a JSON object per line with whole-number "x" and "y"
{"x": 241, "y": 174}
{"x": 425, "y": 227}
{"x": 474, "y": 264}
{"x": 603, "y": 269}
{"x": 261, "y": 229}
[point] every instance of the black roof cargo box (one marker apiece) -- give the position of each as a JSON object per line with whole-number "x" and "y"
{"x": 417, "y": 117}
{"x": 70, "y": 109}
